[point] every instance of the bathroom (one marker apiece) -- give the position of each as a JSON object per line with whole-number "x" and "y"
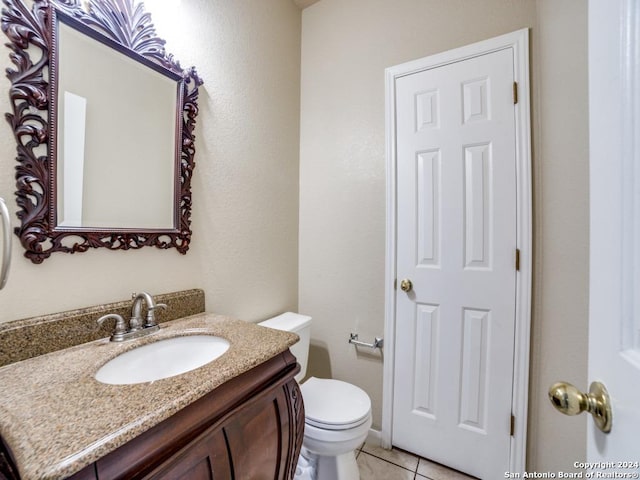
{"x": 289, "y": 186}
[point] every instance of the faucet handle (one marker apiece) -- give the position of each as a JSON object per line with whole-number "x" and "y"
{"x": 121, "y": 326}
{"x": 151, "y": 317}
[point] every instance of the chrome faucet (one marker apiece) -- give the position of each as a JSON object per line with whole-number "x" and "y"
{"x": 136, "y": 311}
{"x": 136, "y": 328}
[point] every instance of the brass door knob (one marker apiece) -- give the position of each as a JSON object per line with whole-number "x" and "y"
{"x": 571, "y": 401}
{"x": 406, "y": 285}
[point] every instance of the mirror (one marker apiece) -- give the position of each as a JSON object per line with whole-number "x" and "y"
{"x": 104, "y": 121}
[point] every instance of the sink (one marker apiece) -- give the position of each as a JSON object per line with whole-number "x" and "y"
{"x": 162, "y": 359}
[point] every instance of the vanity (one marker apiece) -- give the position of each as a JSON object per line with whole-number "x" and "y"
{"x": 239, "y": 416}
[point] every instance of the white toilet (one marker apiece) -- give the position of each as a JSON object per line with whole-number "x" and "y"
{"x": 337, "y": 414}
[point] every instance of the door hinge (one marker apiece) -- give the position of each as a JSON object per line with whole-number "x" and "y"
{"x": 515, "y": 92}
{"x": 512, "y": 427}
{"x": 517, "y": 259}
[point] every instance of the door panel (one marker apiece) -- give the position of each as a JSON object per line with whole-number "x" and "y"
{"x": 614, "y": 310}
{"x": 456, "y": 241}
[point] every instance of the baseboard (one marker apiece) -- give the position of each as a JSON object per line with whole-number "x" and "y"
{"x": 374, "y": 437}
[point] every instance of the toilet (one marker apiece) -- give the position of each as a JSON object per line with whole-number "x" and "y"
{"x": 337, "y": 414}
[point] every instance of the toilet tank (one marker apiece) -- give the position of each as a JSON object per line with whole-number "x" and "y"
{"x": 300, "y": 325}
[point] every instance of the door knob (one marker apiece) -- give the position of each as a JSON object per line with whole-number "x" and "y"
{"x": 571, "y": 401}
{"x": 406, "y": 285}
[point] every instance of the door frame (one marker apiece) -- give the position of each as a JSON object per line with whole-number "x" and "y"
{"x": 519, "y": 41}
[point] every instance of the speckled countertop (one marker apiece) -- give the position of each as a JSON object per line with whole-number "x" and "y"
{"x": 57, "y": 418}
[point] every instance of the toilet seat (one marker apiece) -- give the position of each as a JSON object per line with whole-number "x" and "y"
{"x": 334, "y": 405}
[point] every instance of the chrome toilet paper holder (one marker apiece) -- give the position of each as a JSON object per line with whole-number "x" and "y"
{"x": 377, "y": 341}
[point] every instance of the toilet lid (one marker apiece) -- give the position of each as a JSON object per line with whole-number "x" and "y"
{"x": 333, "y": 404}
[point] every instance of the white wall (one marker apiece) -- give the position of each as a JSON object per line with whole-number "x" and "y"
{"x": 245, "y": 187}
{"x": 346, "y": 45}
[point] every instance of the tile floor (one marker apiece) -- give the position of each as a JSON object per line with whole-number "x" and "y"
{"x": 379, "y": 464}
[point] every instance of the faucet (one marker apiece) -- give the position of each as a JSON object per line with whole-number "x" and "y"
{"x": 136, "y": 328}
{"x": 135, "y": 323}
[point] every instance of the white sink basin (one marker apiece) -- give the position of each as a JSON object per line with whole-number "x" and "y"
{"x": 162, "y": 359}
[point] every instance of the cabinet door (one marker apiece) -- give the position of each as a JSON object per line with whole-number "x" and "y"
{"x": 258, "y": 436}
{"x": 87, "y": 473}
{"x": 206, "y": 458}
{"x": 259, "y": 440}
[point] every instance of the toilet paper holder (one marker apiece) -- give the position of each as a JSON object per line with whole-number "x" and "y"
{"x": 377, "y": 341}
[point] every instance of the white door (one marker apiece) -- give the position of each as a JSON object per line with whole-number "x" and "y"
{"x": 456, "y": 244}
{"x": 614, "y": 324}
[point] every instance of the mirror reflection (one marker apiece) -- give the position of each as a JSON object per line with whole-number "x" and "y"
{"x": 116, "y": 148}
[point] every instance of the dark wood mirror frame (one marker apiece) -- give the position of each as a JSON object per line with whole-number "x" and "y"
{"x": 32, "y": 33}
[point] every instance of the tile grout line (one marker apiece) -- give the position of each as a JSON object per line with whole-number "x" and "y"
{"x": 416, "y": 475}
{"x": 390, "y": 462}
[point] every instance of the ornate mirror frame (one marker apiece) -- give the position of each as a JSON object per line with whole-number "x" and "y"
{"x": 32, "y": 34}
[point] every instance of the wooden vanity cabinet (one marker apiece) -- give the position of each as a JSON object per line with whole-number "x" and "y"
{"x": 249, "y": 428}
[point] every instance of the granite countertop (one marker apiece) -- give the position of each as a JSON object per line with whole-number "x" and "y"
{"x": 57, "y": 418}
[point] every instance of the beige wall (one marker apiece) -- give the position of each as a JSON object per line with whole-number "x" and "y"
{"x": 245, "y": 219}
{"x": 346, "y": 45}
{"x": 561, "y": 211}
{"x": 245, "y": 190}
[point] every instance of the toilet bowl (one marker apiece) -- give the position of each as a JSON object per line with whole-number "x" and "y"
{"x": 337, "y": 414}
{"x": 337, "y": 421}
